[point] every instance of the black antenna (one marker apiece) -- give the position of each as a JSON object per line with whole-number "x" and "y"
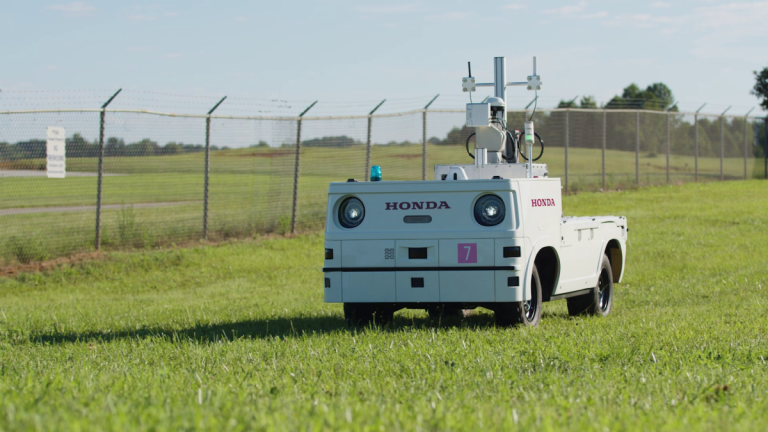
{"x": 469, "y": 66}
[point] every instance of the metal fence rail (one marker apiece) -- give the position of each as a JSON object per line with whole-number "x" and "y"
{"x": 146, "y": 178}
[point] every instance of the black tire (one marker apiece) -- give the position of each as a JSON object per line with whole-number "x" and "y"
{"x": 383, "y": 315}
{"x": 527, "y": 313}
{"x": 363, "y": 314}
{"x": 599, "y": 300}
{"x": 442, "y": 313}
{"x": 358, "y": 314}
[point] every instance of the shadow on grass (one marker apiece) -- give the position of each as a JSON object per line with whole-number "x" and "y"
{"x": 281, "y": 327}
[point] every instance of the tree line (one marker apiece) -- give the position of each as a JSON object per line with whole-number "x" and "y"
{"x": 77, "y": 146}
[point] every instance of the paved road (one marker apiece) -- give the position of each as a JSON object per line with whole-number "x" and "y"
{"x": 28, "y": 210}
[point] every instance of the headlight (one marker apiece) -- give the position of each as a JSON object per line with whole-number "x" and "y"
{"x": 489, "y": 210}
{"x": 351, "y": 213}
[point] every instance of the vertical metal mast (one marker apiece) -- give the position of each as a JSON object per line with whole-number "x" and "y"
{"x": 500, "y": 78}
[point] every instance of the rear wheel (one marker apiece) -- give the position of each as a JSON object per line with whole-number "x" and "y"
{"x": 362, "y": 314}
{"x": 599, "y": 300}
{"x": 526, "y": 312}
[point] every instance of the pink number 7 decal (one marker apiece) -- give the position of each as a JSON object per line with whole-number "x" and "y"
{"x": 467, "y": 253}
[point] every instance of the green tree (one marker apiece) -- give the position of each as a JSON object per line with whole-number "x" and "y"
{"x": 5, "y": 151}
{"x": 656, "y": 96}
{"x": 567, "y": 104}
{"x": 172, "y": 148}
{"x": 588, "y": 102}
{"x": 77, "y": 146}
{"x": 114, "y": 147}
{"x": 761, "y": 87}
{"x": 145, "y": 147}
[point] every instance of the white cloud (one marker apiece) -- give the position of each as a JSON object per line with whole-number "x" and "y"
{"x": 515, "y": 6}
{"x": 447, "y": 16}
{"x": 142, "y": 17}
{"x": 73, "y": 9}
{"x": 645, "y": 20}
{"x": 734, "y": 15}
{"x": 661, "y": 4}
{"x": 725, "y": 31}
{"x": 567, "y": 10}
{"x": 602, "y": 14}
{"x": 174, "y": 55}
{"x": 387, "y": 9}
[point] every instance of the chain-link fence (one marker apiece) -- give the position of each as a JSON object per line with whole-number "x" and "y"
{"x": 144, "y": 179}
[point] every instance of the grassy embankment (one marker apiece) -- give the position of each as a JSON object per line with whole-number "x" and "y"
{"x": 236, "y": 337}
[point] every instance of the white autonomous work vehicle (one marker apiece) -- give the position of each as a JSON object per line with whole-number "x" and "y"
{"x": 488, "y": 234}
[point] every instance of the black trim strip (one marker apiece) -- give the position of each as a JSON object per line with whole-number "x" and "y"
{"x": 570, "y": 294}
{"x": 385, "y": 269}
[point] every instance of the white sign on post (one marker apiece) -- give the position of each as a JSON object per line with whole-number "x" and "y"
{"x": 55, "y": 147}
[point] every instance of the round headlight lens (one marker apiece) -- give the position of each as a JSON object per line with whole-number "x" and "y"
{"x": 489, "y": 210}
{"x": 351, "y": 213}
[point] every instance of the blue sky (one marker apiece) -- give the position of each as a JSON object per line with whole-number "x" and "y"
{"x": 351, "y": 54}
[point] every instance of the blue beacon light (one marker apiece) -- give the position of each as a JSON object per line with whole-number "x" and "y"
{"x": 375, "y": 173}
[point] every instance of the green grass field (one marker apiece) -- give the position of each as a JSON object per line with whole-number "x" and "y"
{"x": 251, "y": 192}
{"x": 236, "y": 337}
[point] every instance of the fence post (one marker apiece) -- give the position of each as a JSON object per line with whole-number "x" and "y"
{"x": 637, "y": 147}
{"x": 722, "y": 142}
{"x": 368, "y": 146}
{"x": 746, "y": 122}
{"x": 567, "y": 111}
{"x": 696, "y": 143}
{"x": 207, "y": 167}
{"x": 696, "y": 147}
{"x": 101, "y": 170}
{"x": 296, "y": 167}
{"x": 722, "y": 146}
{"x": 424, "y": 139}
{"x": 604, "y": 134}
{"x": 668, "y": 142}
{"x": 765, "y": 149}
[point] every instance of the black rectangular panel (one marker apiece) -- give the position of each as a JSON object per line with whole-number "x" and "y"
{"x": 329, "y": 254}
{"x": 417, "y": 282}
{"x": 513, "y": 281}
{"x": 417, "y": 219}
{"x": 327, "y": 282}
{"x": 511, "y": 251}
{"x": 417, "y": 253}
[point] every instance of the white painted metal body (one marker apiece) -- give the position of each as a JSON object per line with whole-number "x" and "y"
{"x": 371, "y": 261}
{"x": 420, "y": 244}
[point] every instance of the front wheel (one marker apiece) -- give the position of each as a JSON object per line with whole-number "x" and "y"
{"x": 527, "y": 312}
{"x": 441, "y": 312}
{"x": 599, "y": 300}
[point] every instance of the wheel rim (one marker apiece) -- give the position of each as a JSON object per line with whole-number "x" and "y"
{"x": 529, "y": 307}
{"x": 604, "y": 293}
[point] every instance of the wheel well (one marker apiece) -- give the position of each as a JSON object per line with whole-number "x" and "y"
{"x": 549, "y": 269}
{"x": 613, "y": 251}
